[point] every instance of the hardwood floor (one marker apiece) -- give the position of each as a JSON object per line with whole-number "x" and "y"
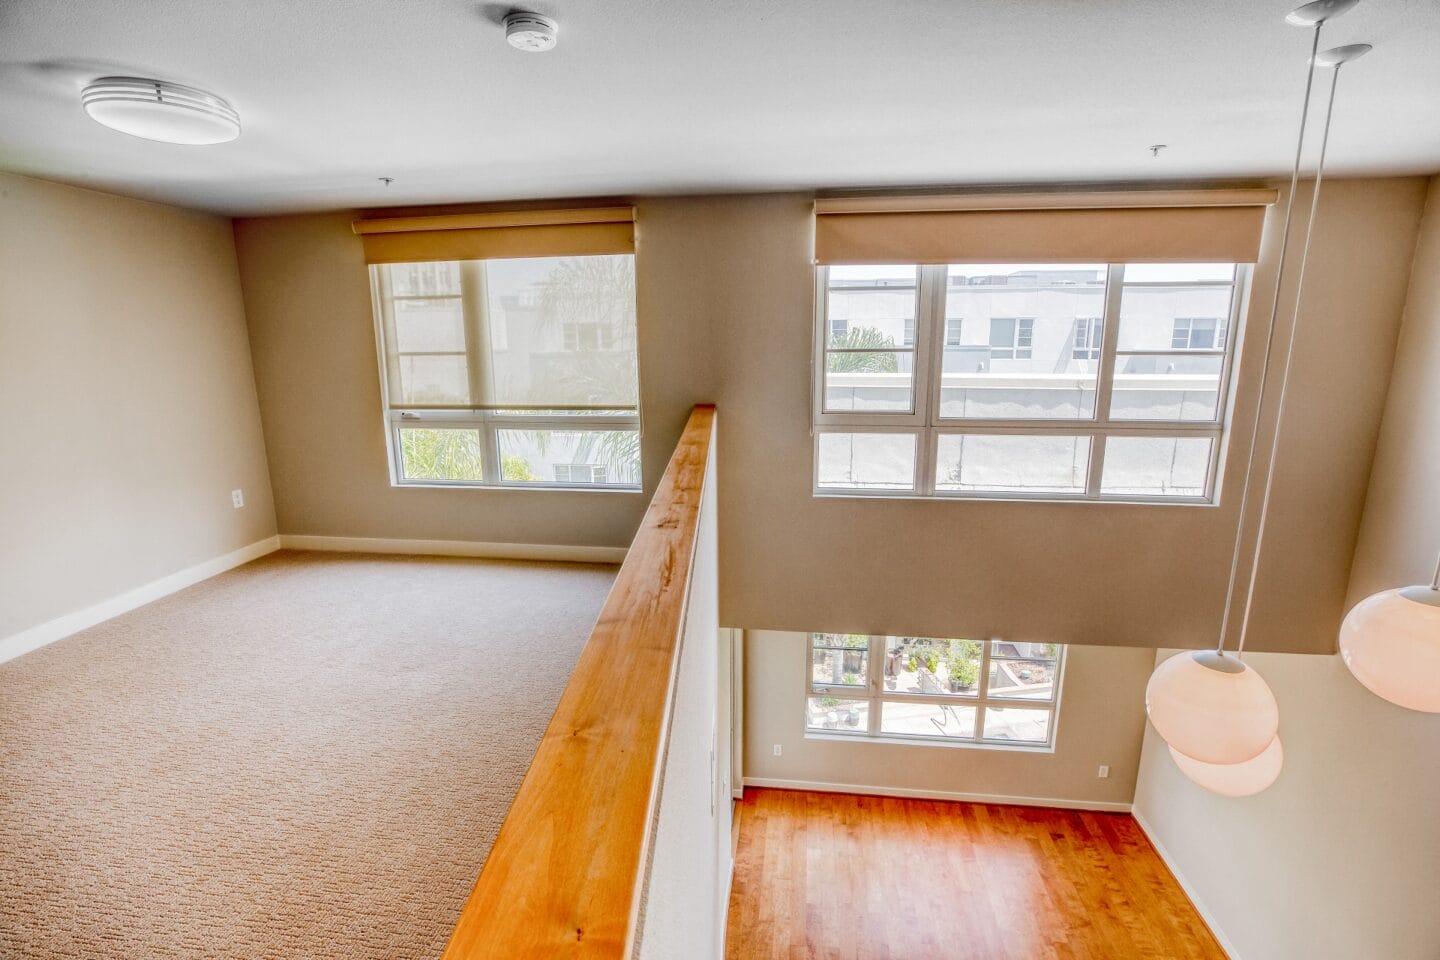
{"x": 838, "y": 876}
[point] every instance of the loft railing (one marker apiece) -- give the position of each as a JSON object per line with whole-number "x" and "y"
{"x": 567, "y": 874}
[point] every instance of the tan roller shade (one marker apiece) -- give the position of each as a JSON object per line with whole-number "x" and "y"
{"x": 493, "y": 236}
{"x": 1133, "y": 227}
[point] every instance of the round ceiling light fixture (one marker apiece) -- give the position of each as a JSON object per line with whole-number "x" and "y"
{"x": 1234, "y": 779}
{"x": 160, "y": 110}
{"x": 1212, "y": 707}
{"x": 530, "y": 32}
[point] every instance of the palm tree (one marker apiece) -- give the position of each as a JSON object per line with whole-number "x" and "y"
{"x": 862, "y": 338}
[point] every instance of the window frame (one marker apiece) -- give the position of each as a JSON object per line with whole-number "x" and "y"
{"x": 875, "y": 696}
{"x": 926, "y": 424}
{"x": 487, "y": 422}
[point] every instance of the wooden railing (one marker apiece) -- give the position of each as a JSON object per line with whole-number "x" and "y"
{"x": 566, "y": 875}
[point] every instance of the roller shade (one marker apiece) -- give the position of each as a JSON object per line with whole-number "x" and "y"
{"x": 495, "y": 236}
{"x": 1134, "y": 227}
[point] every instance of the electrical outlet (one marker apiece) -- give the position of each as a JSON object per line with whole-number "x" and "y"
{"x": 237, "y": 497}
{"x": 1104, "y": 771}
{"x": 777, "y": 749}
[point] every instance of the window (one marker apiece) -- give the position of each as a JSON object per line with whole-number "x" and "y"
{"x": 1087, "y": 339}
{"x": 579, "y": 473}
{"x": 1040, "y": 381}
{"x": 920, "y": 689}
{"x": 510, "y": 372}
{"x": 1198, "y": 333}
{"x": 1011, "y": 338}
{"x": 953, "y": 326}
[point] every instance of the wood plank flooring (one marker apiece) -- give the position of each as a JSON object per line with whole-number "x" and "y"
{"x": 844, "y": 877}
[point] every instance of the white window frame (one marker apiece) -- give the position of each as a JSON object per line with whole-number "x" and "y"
{"x": 488, "y": 422}
{"x": 1084, "y": 339}
{"x": 924, "y": 422}
{"x": 874, "y": 694}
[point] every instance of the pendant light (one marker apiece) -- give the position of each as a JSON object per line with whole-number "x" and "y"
{"x": 1234, "y": 779}
{"x": 1391, "y": 643}
{"x": 1210, "y": 707}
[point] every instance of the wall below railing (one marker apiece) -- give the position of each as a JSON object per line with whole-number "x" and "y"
{"x": 683, "y": 910}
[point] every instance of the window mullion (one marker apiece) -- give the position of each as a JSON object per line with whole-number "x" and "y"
{"x": 875, "y": 682}
{"x": 1105, "y": 375}
{"x": 930, "y": 342}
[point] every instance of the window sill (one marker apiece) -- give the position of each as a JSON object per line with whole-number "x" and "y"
{"x": 987, "y": 498}
{"x": 524, "y": 487}
{"x": 898, "y": 741}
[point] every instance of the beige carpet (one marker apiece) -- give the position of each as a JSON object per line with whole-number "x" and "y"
{"x": 307, "y": 757}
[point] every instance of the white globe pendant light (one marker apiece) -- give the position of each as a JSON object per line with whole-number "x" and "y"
{"x": 160, "y": 110}
{"x": 1391, "y": 643}
{"x": 1210, "y": 707}
{"x": 1234, "y": 779}
{"x": 1213, "y": 707}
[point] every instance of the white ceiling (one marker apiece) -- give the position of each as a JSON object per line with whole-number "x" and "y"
{"x": 683, "y": 96}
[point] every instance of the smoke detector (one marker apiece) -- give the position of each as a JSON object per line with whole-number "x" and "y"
{"x": 530, "y": 32}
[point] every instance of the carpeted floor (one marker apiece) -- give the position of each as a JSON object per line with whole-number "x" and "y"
{"x": 307, "y": 757}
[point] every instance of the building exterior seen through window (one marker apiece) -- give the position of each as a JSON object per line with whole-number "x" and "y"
{"x": 1049, "y": 381}
{"x": 997, "y": 692}
{"x": 511, "y": 372}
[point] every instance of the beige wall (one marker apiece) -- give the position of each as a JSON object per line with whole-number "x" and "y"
{"x": 725, "y": 298}
{"x": 1341, "y": 857}
{"x": 1101, "y": 717}
{"x": 130, "y": 404}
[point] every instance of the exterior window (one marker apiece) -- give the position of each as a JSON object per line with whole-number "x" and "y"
{"x": 587, "y": 473}
{"x": 510, "y": 372}
{"x": 953, "y": 326}
{"x": 1198, "y": 333}
{"x": 1087, "y": 339}
{"x": 1052, "y": 381}
{"x": 1011, "y": 338}
{"x": 919, "y": 689}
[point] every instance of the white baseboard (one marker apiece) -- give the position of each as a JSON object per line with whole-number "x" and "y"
{"x": 38, "y": 636}
{"x": 455, "y": 548}
{"x": 1195, "y": 900}
{"x": 868, "y": 790}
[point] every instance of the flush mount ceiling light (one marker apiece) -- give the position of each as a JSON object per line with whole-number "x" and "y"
{"x": 1211, "y": 708}
{"x": 530, "y": 32}
{"x": 160, "y": 110}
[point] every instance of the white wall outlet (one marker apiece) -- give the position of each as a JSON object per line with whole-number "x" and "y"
{"x": 237, "y": 497}
{"x": 1104, "y": 771}
{"x": 777, "y": 749}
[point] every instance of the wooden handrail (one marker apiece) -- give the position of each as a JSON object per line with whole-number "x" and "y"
{"x": 567, "y": 871}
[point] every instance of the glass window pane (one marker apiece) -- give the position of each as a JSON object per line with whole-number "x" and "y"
{"x": 880, "y": 461}
{"x": 932, "y": 667}
{"x": 928, "y": 719}
{"x": 1178, "y": 272}
{"x": 840, "y": 659}
{"x": 1017, "y": 463}
{"x": 838, "y": 714}
{"x": 871, "y": 306}
{"x": 432, "y": 379}
{"x": 1166, "y": 387}
{"x": 1024, "y": 724}
{"x": 562, "y": 330}
{"x": 584, "y": 457}
{"x": 429, "y": 326}
{"x": 1011, "y": 342}
{"x": 440, "y": 454}
{"x": 1021, "y": 650}
{"x": 1151, "y": 318}
{"x": 871, "y": 380}
{"x": 1156, "y": 466}
{"x": 1023, "y": 679}
{"x": 434, "y": 279}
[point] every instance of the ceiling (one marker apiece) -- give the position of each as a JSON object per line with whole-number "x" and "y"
{"x": 691, "y": 96}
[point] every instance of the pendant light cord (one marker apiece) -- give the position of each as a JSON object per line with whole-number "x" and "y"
{"x": 1285, "y": 372}
{"x": 1269, "y": 346}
